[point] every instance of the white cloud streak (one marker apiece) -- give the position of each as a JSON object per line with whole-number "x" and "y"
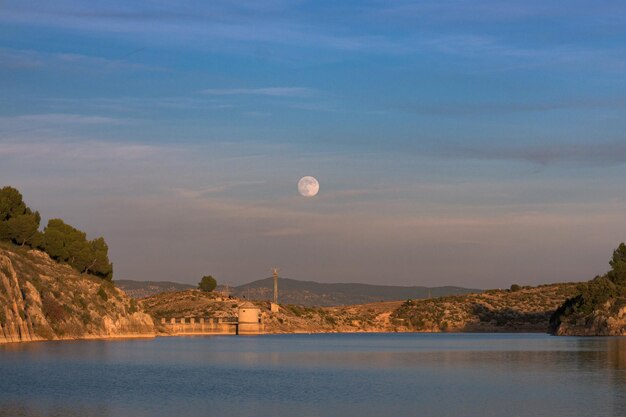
{"x": 266, "y": 91}
{"x": 58, "y": 151}
{"x": 33, "y": 59}
{"x": 60, "y": 119}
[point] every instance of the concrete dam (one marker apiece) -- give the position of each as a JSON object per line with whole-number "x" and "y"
{"x": 247, "y": 322}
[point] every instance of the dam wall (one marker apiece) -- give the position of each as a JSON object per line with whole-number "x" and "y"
{"x": 195, "y": 325}
{"x": 188, "y": 326}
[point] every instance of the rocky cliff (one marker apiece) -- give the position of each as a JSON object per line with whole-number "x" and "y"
{"x": 41, "y": 299}
{"x": 610, "y": 320}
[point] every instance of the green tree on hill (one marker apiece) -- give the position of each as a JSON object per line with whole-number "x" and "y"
{"x": 68, "y": 244}
{"x": 617, "y": 274}
{"x": 207, "y": 283}
{"x": 11, "y": 203}
{"x": 24, "y": 229}
{"x": 18, "y": 223}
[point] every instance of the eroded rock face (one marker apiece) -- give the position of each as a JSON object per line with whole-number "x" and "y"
{"x": 607, "y": 321}
{"x": 43, "y": 300}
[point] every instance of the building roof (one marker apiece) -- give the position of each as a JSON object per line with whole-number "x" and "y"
{"x": 247, "y": 304}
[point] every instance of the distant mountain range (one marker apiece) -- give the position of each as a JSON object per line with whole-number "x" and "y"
{"x": 310, "y": 293}
{"x": 307, "y": 293}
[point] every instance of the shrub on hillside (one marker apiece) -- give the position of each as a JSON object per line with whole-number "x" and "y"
{"x": 207, "y": 283}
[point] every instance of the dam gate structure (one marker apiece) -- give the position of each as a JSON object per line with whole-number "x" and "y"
{"x": 248, "y": 322}
{"x": 202, "y": 325}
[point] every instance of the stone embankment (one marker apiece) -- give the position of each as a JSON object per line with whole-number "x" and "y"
{"x": 43, "y": 300}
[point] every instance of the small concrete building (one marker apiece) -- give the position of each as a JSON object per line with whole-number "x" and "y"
{"x": 249, "y": 319}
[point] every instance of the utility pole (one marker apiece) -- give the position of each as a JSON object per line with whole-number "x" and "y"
{"x": 275, "y": 274}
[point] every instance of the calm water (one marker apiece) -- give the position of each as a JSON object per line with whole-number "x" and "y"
{"x": 317, "y": 375}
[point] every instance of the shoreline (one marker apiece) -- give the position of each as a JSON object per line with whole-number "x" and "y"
{"x": 89, "y": 337}
{"x": 157, "y": 335}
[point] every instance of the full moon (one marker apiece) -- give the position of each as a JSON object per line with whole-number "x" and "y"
{"x": 308, "y": 186}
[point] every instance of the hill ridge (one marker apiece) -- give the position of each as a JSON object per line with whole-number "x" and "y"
{"x": 308, "y": 293}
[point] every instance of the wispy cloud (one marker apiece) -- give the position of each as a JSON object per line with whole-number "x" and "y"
{"x": 483, "y": 10}
{"x": 595, "y": 153}
{"x": 284, "y": 232}
{"x": 33, "y": 59}
{"x": 278, "y": 24}
{"x": 63, "y": 151}
{"x": 479, "y": 108}
{"x": 13, "y": 127}
{"x": 266, "y": 91}
{"x": 61, "y": 118}
{"x": 10, "y": 126}
{"x": 136, "y": 104}
{"x": 503, "y": 54}
{"x": 375, "y": 27}
{"x": 203, "y": 192}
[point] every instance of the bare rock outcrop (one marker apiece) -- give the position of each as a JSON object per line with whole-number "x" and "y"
{"x": 41, "y": 299}
{"x": 609, "y": 320}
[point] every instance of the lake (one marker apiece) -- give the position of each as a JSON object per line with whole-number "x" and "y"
{"x": 430, "y": 375}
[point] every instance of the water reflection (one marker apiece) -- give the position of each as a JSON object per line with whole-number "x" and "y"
{"x": 9, "y": 409}
{"x": 312, "y": 375}
{"x": 616, "y": 347}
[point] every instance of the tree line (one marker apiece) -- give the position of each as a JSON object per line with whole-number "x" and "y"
{"x": 64, "y": 243}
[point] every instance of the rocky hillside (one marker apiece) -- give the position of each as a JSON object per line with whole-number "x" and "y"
{"x": 290, "y": 318}
{"x": 142, "y": 289}
{"x": 189, "y": 303}
{"x": 526, "y": 310}
{"x": 599, "y": 306}
{"x": 41, "y": 299}
{"x": 607, "y": 320}
{"x": 371, "y": 317}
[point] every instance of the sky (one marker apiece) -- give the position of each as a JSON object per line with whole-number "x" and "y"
{"x": 475, "y": 143}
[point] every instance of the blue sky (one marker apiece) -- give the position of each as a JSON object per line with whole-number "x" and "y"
{"x": 476, "y": 143}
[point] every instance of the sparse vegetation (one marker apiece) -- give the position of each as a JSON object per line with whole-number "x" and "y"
{"x": 52, "y": 309}
{"x": 499, "y": 310}
{"x": 526, "y": 309}
{"x": 196, "y": 303}
{"x": 103, "y": 294}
